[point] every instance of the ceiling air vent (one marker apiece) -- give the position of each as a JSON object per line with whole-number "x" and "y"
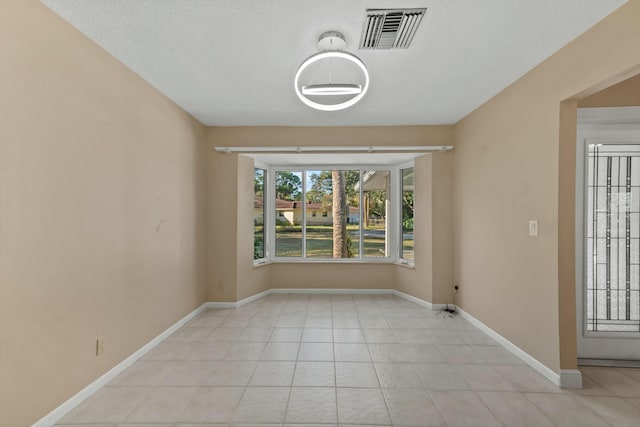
{"x": 390, "y": 28}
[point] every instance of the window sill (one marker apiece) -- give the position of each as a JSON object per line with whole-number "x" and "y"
{"x": 386, "y": 261}
{"x": 405, "y": 264}
{"x": 261, "y": 263}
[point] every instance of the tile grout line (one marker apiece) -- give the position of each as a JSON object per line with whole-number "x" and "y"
{"x": 295, "y": 368}
{"x": 525, "y": 394}
{"x": 335, "y": 371}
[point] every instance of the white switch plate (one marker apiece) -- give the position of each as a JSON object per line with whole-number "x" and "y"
{"x": 100, "y": 345}
{"x": 533, "y": 227}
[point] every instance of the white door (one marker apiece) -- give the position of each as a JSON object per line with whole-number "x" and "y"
{"x": 608, "y": 234}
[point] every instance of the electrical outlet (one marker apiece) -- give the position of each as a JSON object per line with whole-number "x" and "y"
{"x": 220, "y": 286}
{"x": 533, "y": 227}
{"x": 100, "y": 345}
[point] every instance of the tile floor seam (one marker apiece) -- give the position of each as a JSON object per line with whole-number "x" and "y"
{"x": 488, "y": 408}
{"x": 429, "y": 392}
{"x": 386, "y": 404}
{"x": 187, "y": 405}
{"x": 526, "y": 395}
{"x": 286, "y": 408}
{"x": 598, "y": 382}
{"x": 138, "y": 406}
{"x": 335, "y": 389}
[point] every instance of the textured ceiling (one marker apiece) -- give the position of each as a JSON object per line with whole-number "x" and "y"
{"x": 232, "y": 62}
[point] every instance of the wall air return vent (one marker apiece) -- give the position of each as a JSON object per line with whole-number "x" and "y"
{"x": 390, "y": 28}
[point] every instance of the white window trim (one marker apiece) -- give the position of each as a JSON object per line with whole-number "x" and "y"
{"x": 399, "y": 250}
{"x": 265, "y": 208}
{"x": 393, "y": 228}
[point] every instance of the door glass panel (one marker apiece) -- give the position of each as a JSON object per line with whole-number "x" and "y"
{"x": 613, "y": 238}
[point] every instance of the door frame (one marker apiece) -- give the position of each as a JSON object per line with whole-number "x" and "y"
{"x": 609, "y": 124}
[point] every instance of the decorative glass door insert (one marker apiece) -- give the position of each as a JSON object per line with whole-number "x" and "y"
{"x": 613, "y": 238}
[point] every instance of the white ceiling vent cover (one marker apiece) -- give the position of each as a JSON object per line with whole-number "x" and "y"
{"x": 390, "y": 28}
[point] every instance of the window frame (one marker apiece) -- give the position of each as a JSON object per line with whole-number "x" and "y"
{"x": 400, "y": 249}
{"x": 266, "y": 206}
{"x": 392, "y": 220}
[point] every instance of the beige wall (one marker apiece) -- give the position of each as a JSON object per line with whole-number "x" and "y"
{"x": 316, "y": 136}
{"x": 431, "y": 278}
{"x": 418, "y": 279}
{"x": 332, "y": 275}
{"x": 222, "y": 222}
{"x": 231, "y": 274}
{"x": 234, "y": 268}
{"x": 510, "y": 164}
{"x": 623, "y": 94}
{"x": 101, "y": 212}
{"x": 567, "y": 234}
{"x": 251, "y": 280}
{"x": 442, "y": 237}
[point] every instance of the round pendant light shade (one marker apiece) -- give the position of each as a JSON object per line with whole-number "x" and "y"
{"x": 325, "y": 66}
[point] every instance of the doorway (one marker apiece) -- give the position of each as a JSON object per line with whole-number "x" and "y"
{"x": 608, "y": 233}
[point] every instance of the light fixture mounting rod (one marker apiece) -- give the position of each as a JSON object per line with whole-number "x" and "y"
{"x": 332, "y": 40}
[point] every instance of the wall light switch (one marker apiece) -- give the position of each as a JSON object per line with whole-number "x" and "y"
{"x": 533, "y": 227}
{"x": 100, "y": 345}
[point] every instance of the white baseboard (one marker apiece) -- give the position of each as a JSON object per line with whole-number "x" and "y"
{"x": 325, "y": 291}
{"x": 420, "y": 302}
{"x": 54, "y": 416}
{"x": 316, "y": 291}
{"x": 331, "y": 291}
{"x": 547, "y": 372}
{"x": 570, "y": 378}
{"x": 253, "y": 298}
{"x": 237, "y": 304}
{"x": 220, "y": 304}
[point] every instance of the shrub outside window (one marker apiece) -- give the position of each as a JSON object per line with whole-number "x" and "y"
{"x": 407, "y": 195}
{"x": 259, "y": 213}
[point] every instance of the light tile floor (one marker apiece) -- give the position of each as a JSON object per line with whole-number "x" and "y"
{"x": 346, "y": 360}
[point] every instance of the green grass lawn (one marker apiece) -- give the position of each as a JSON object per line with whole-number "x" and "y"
{"x": 320, "y": 242}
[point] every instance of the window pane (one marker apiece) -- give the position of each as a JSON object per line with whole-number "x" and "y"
{"x": 258, "y": 213}
{"x": 352, "y": 181}
{"x": 319, "y": 229}
{"x": 376, "y": 207}
{"x": 407, "y": 213}
{"x": 288, "y": 216}
{"x": 335, "y": 233}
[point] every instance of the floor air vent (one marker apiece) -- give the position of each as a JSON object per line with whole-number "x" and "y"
{"x": 390, "y": 28}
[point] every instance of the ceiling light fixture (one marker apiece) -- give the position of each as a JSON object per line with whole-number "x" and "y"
{"x": 331, "y": 44}
{"x": 331, "y": 89}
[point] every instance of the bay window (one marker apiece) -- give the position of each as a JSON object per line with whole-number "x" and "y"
{"x": 337, "y": 214}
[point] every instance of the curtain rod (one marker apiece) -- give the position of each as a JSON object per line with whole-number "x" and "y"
{"x": 338, "y": 149}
